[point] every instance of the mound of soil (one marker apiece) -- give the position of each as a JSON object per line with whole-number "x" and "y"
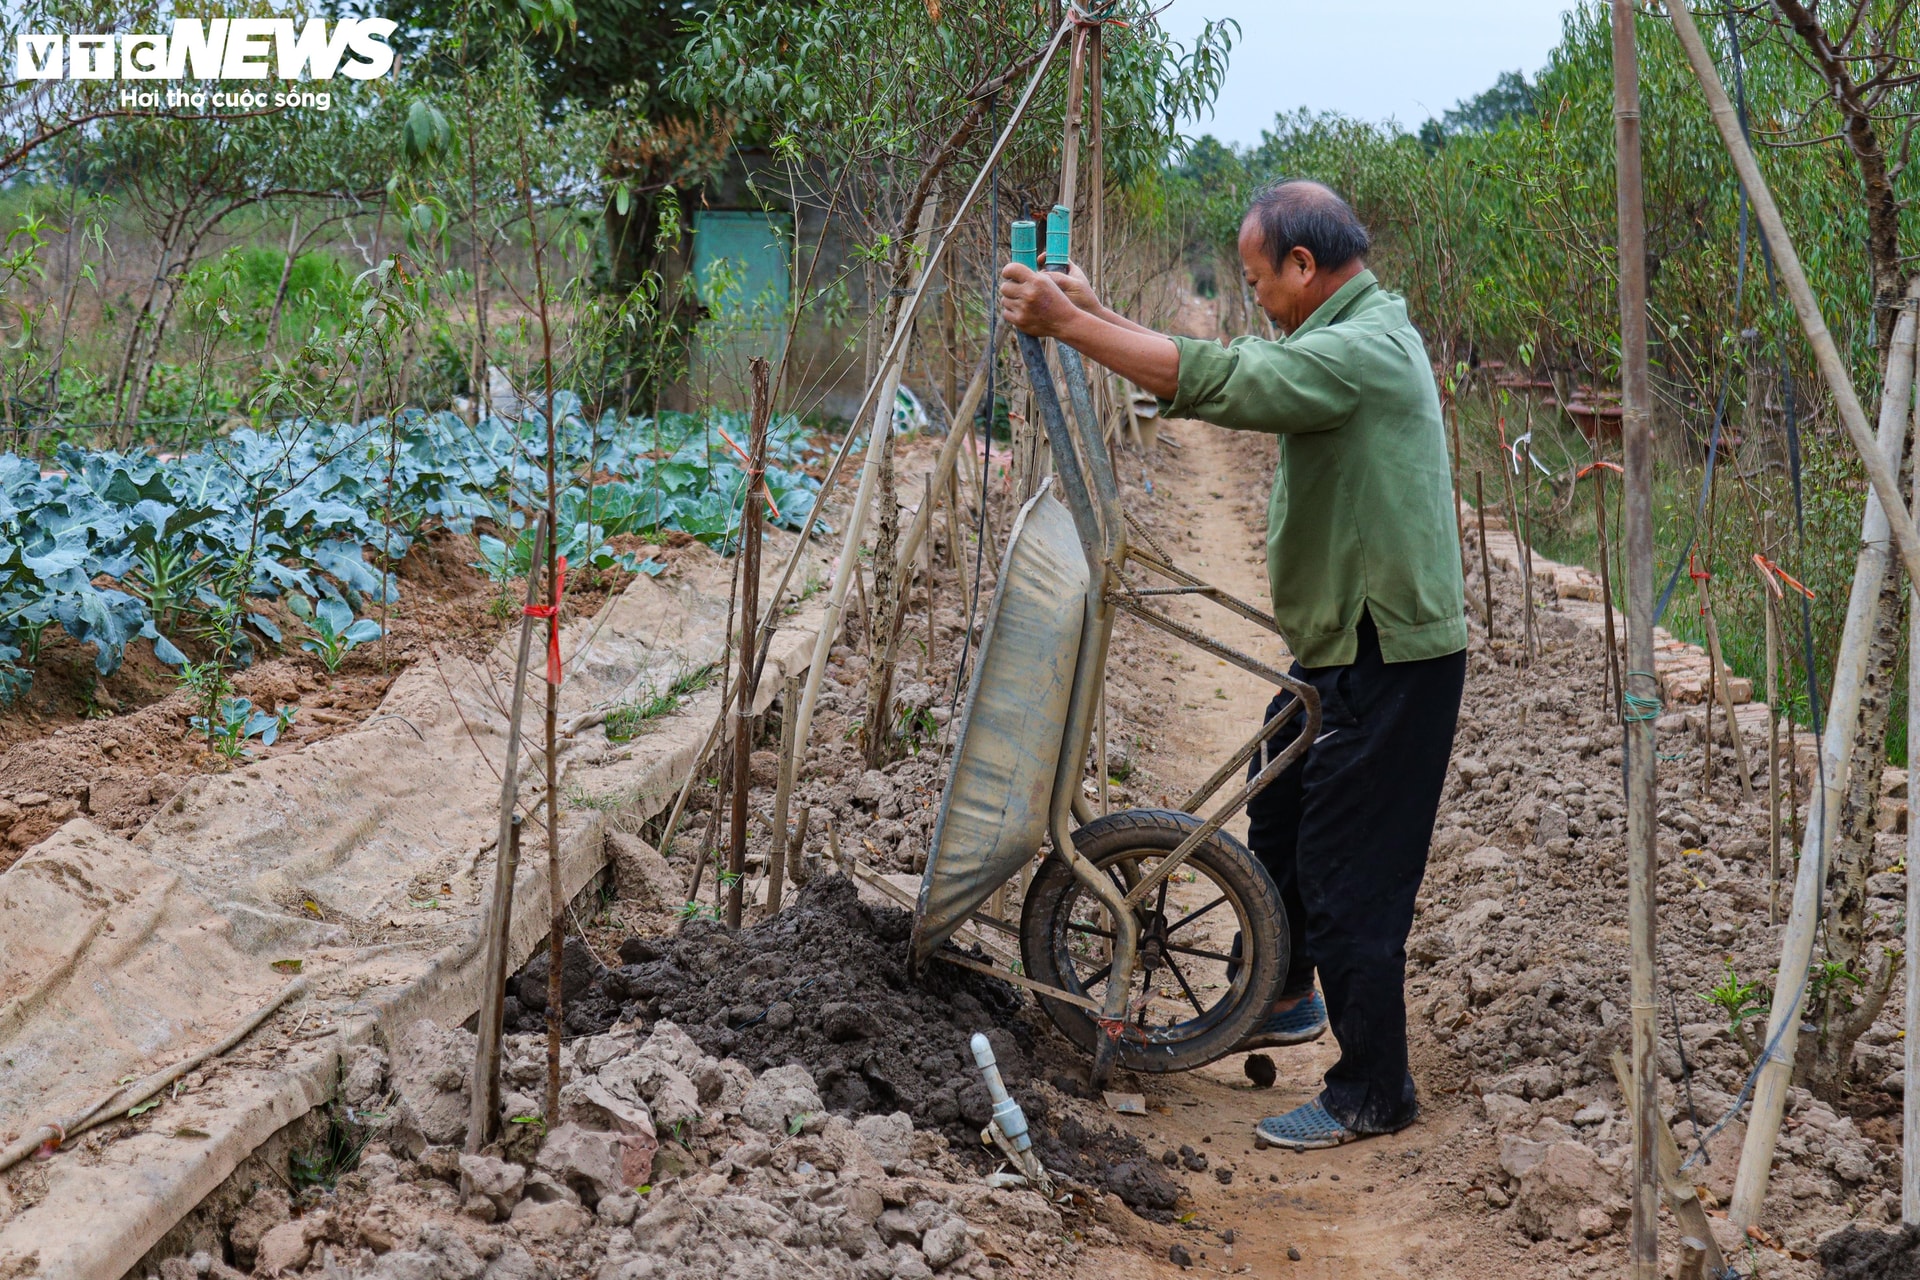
{"x": 825, "y": 984}
{"x": 1861, "y": 1253}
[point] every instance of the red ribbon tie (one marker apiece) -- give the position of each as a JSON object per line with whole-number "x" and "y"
{"x": 551, "y": 612}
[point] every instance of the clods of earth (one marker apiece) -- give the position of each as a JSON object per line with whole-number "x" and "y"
{"x": 825, "y": 984}
{"x": 666, "y": 1161}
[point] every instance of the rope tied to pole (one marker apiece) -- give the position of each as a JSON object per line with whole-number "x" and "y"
{"x": 1773, "y": 574}
{"x": 551, "y": 612}
{"x": 1640, "y": 707}
{"x": 1096, "y": 15}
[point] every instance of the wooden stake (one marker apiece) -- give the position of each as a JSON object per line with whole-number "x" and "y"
{"x": 1486, "y": 565}
{"x": 782, "y": 795}
{"x": 1773, "y": 741}
{"x": 1636, "y": 430}
{"x": 752, "y": 531}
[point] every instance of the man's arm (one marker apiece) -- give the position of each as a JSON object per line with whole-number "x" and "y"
{"x": 1277, "y": 388}
{"x": 1036, "y": 304}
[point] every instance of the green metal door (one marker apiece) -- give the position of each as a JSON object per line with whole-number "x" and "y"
{"x": 741, "y": 266}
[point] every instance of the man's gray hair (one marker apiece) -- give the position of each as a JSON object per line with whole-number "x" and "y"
{"x": 1297, "y": 213}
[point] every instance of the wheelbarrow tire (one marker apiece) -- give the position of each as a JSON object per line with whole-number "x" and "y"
{"x": 1264, "y": 947}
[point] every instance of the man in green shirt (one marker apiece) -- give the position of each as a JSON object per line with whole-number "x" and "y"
{"x": 1364, "y": 566}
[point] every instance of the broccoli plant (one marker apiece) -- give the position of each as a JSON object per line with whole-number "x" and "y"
{"x": 336, "y": 632}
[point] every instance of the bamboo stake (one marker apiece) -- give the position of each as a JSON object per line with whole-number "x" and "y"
{"x": 1643, "y": 1258}
{"x": 782, "y": 796}
{"x": 1513, "y": 511}
{"x": 957, "y": 538}
{"x": 752, "y": 531}
{"x": 1843, "y": 719}
{"x": 1713, "y": 681}
{"x": 1104, "y": 399}
{"x": 1526, "y": 547}
{"x": 556, "y": 893}
{"x": 1682, "y": 1199}
{"x": 1881, "y": 475}
{"x": 1486, "y": 565}
{"x": 486, "y": 1060}
{"x": 1612, "y": 681}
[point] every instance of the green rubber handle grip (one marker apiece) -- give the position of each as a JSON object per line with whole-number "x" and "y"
{"x": 1059, "y": 238}
{"x": 1026, "y": 244}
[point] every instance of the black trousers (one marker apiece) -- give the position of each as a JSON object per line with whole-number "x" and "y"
{"x": 1344, "y": 833}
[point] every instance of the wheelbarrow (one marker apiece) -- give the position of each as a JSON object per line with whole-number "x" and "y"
{"x": 1152, "y": 937}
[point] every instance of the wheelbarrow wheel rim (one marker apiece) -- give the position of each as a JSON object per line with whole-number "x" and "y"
{"x": 1241, "y": 887}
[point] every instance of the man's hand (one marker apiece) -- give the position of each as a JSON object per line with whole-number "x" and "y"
{"x": 1079, "y": 289}
{"x": 1061, "y": 305}
{"x": 1034, "y": 302}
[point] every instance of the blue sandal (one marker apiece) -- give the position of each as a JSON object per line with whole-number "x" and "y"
{"x": 1304, "y": 1022}
{"x": 1305, "y": 1128}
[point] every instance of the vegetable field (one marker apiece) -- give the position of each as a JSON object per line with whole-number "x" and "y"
{"x": 117, "y": 547}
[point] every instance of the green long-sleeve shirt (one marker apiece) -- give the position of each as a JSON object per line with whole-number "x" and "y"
{"x": 1362, "y": 510}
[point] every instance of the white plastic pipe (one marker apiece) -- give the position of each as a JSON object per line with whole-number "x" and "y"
{"x": 1008, "y": 1118}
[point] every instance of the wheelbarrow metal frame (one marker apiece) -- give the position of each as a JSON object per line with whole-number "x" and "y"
{"x": 1091, "y": 494}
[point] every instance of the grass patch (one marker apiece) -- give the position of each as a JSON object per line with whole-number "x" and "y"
{"x": 629, "y": 720}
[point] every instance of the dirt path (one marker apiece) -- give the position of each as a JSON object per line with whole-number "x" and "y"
{"x": 1347, "y": 1212}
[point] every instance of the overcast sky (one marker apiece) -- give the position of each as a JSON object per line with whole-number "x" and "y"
{"x": 1376, "y": 59}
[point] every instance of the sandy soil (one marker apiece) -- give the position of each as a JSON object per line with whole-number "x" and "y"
{"x": 119, "y": 748}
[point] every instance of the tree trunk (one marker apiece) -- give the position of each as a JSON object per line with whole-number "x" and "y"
{"x": 1852, "y": 860}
